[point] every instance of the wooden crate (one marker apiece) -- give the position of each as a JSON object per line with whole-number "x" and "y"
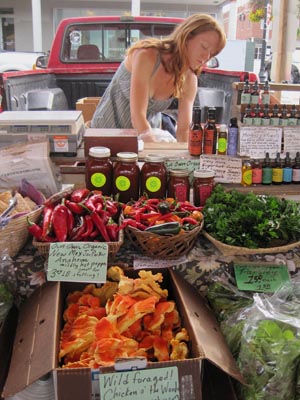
{"x": 88, "y": 106}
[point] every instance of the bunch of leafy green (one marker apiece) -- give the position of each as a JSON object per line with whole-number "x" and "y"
{"x": 249, "y": 220}
{"x": 269, "y": 360}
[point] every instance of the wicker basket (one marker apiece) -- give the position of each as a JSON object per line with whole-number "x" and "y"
{"x": 15, "y": 234}
{"x": 228, "y": 250}
{"x": 165, "y": 247}
{"x": 113, "y": 247}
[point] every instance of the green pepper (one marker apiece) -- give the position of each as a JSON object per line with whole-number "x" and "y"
{"x": 163, "y": 207}
{"x": 169, "y": 228}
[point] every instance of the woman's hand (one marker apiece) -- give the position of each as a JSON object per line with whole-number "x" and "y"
{"x": 156, "y": 135}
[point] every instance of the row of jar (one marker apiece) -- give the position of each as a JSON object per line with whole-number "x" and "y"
{"x": 126, "y": 181}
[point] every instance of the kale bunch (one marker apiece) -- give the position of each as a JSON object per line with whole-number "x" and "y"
{"x": 249, "y": 220}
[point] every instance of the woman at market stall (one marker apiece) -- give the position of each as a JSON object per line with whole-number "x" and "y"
{"x": 153, "y": 73}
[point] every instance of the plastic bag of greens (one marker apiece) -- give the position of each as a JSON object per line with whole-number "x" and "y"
{"x": 270, "y": 345}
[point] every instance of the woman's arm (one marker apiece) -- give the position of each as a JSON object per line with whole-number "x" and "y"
{"x": 141, "y": 65}
{"x": 185, "y": 107}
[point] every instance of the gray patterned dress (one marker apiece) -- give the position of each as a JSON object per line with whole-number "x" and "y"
{"x": 113, "y": 111}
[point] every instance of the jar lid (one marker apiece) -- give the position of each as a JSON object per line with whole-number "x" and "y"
{"x": 154, "y": 158}
{"x": 179, "y": 172}
{"x": 204, "y": 173}
{"x": 127, "y": 156}
{"x": 99, "y": 152}
{"x": 223, "y": 128}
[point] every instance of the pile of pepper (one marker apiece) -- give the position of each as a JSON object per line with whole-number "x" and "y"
{"x": 81, "y": 215}
{"x": 163, "y": 217}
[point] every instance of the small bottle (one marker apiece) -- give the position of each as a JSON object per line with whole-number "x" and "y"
{"x": 210, "y": 133}
{"x": 222, "y": 139}
{"x": 267, "y": 170}
{"x": 277, "y": 171}
{"x": 274, "y": 120}
{"x": 283, "y": 119}
{"x": 255, "y": 93}
{"x": 98, "y": 170}
{"x": 256, "y": 172}
{"x": 246, "y": 95}
{"x": 292, "y": 120}
{"x": 196, "y": 134}
{"x": 296, "y": 169}
{"x": 257, "y": 116}
{"x": 233, "y": 136}
{"x": 246, "y": 173}
{"x": 265, "y": 96}
{"x": 179, "y": 184}
{"x": 287, "y": 169}
{"x": 266, "y": 117}
{"x": 203, "y": 184}
{"x": 248, "y": 118}
{"x": 154, "y": 177}
{"x": 126, "y": 177}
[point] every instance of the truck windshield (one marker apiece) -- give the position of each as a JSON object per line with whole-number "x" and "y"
{"x": 92, "y": 43}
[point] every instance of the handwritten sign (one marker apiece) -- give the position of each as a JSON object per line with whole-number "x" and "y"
{"x": 226, "y": 169}
{"x": 150, "y": 384}
{"x": 291, "y": 140}
{"x": 182, "y": 163}
{"x": 77, "y": 262}
{"x": 260, "y": 278}
{"x": 256, "y": 141}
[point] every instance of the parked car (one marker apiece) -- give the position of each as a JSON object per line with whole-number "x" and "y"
{"x": 18, "y": 60}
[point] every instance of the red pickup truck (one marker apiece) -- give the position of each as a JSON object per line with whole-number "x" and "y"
{"x": 86, "y": 52}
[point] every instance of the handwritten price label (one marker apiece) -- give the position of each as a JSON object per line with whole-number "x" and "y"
{"x": 260, "y": 277}
{"x": 77, "y": 262}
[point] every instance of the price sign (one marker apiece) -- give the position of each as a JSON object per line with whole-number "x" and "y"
{"x": 227, "y": 169}
{"x": 150, "y": 384}
{"x": 77, "y": 262}
{"x": 260, "y": 277}
{"x": 291, "y": 140}
{"x": 256, "y": 141}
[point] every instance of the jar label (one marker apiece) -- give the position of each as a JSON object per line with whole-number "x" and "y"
{"x": 246, "y": 98}
{"x": 204, "y": 193}
{"x": 247, "y": 177}
{"x": 256, "y": 175}
{"x": 98, "y": 179}
{"x": 277, "y": 175}
{"x": 222, "y": 145}
{"x": 287, "y": 175}
{"x": 296, "y": 175}
{"x": 180, "y": 192}
{"x": 122, "y": 183}
{"x": 153, "y": 184}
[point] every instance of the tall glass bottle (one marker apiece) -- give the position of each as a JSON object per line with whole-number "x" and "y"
{"x": 232, "y": 139}
{"x": 277, "y": 171}
{"x": 210, "y": 133}
{"x": 246, "y": 94}
{"x": 274, "y": 120}
{"x": 267, "y": 170}
{"x": 265, "y": 95}
{"x": 296, "y": 169}
{"x": 196, "y": 134}
{"x": 255, "y": 93}
{"x": 283, "y": 119}
{"x": 222, "y": 139}
{"x": 246, "y": 173}
{"x": 287, "y": 169}
{"x": 266, "y": 116}
{"x": 293, "y": 116}
{"x": 247, "y": 117}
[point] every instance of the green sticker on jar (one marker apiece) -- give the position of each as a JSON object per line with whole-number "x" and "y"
{"x": 98, "y": 179}
{"x": 153, "y": 184}
{"x": 222, "y": 145}
{"x": 122, "y": 183}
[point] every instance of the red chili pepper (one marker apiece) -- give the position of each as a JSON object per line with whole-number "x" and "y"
{"x": 100, "y": 226}
{"x": 92, "y": 201}
{"x": 189, "y": 220}
{"x": 47, "y": 220}
{"x": 133, "y": 223}
{"x": 71, "y": 220}
{"x": 94, "y": 233}
{"x": 76, "y": 208}
{"x": 60, "y": 222}
{"x": 112, "y": 230}
{"x": 104, "y": 216}
{"x": 89, "y": 226}
{"x": 76, "y": 233}
{"x": 111, "y": 207}
{"x": 35, "y": 230}
{"x": 78, "y": 195}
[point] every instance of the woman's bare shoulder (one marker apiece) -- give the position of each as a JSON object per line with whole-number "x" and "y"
{"x": 142, "y": 56}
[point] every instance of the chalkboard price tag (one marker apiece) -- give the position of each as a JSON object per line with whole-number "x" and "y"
{"x": 260, "y": 277}
{"x": 78, "y": 262}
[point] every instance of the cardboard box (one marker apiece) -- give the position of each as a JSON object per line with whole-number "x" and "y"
{"x": 88, "y": 106}
{"x": 37, "y": 342}
{"x": 64, "y": 129}
{"x": 116, "y": 140}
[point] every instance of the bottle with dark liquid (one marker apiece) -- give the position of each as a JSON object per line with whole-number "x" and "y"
{"x": 210, "y": 133}
{"x": 196, "y": 134}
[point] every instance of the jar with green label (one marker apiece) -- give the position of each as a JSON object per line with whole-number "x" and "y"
{"x": 98, "y": 175}
{"x": 154, "y": 177}
{"x": 126, "y": 177}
